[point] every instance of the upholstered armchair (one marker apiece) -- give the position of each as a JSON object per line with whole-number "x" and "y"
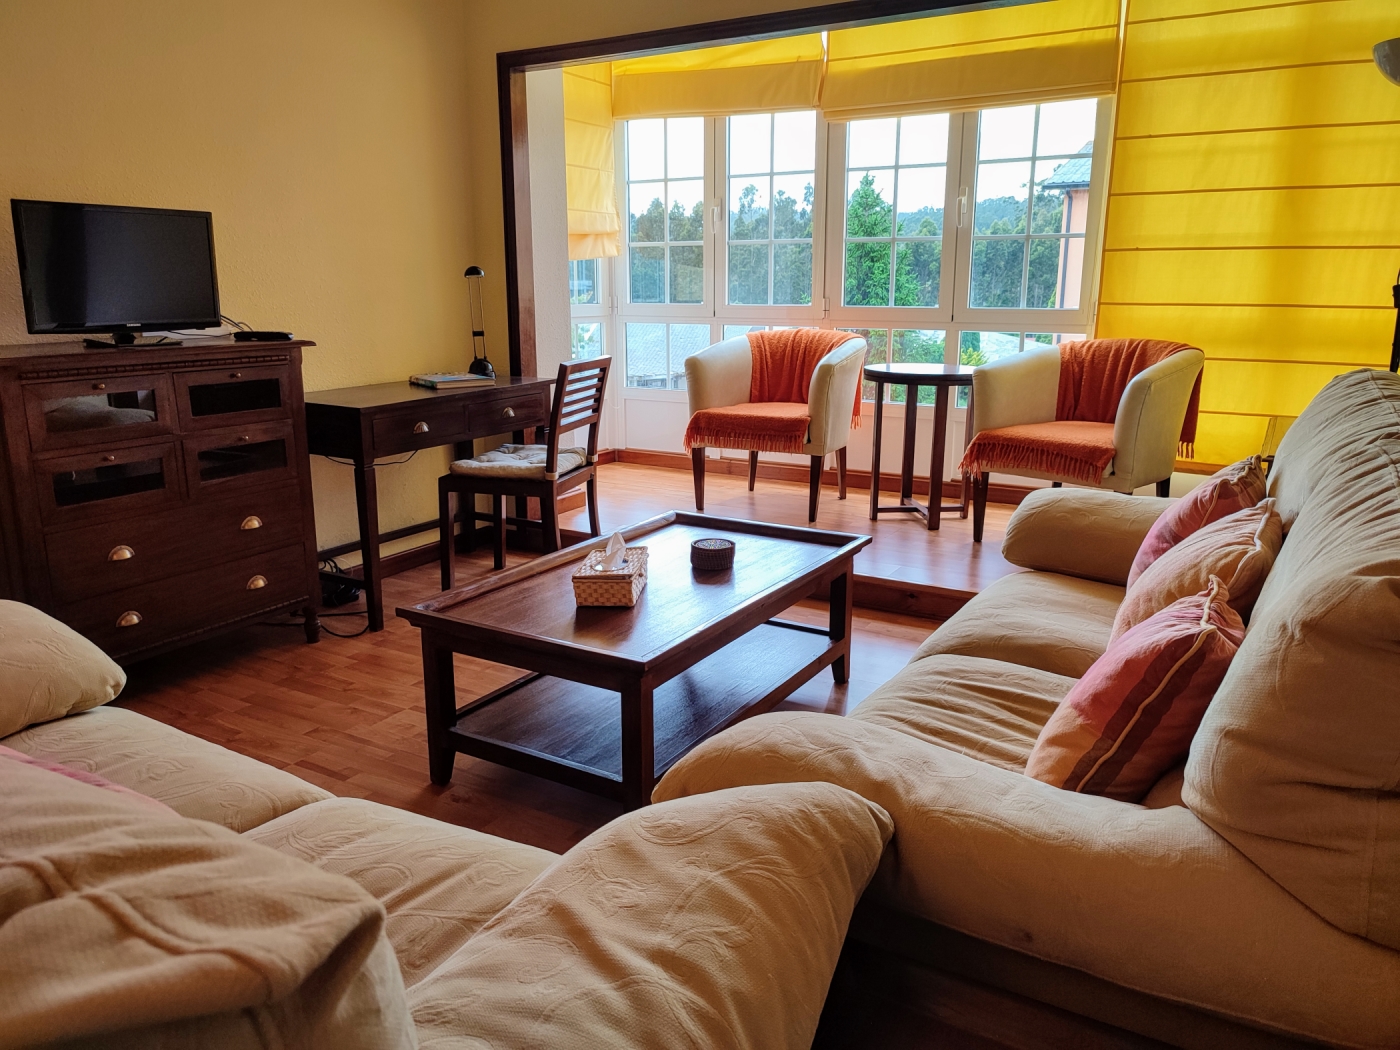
{"x": 1111, "y": 413}
{"x": 794, "y": 390}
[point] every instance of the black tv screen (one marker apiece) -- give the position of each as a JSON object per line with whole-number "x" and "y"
{"x": 100, "y": 268}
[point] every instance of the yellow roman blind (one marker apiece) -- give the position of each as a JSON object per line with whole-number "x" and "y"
{"x": 1033, "y": 52}
{"x": 595, "y": 229}
{"x": 1254, "y": 200}
{"x": 757, "y": 77}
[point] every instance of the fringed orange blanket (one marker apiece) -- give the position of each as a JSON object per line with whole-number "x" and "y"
{"x": 776, "y": 417}
{"x": 1093, "y": 375}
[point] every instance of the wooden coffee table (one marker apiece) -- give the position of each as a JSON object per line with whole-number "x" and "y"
{"x": 615, "y": 696}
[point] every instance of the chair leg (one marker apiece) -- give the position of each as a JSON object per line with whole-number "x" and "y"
{"x": 980, "y": 485}
{"x": 591, "y": 496}
{"x": 815, "y": 489}
{"x": 1164, "y": 487}
{"x": 841, "y": 472}
{"x": 549, "y": 521}
{"x": 466, "y": 504}
{"x": 445, "y": 509}
{"x": 498, "y": 514}
{"x": 753, "y": 469}
{"x": 697, "y": 465}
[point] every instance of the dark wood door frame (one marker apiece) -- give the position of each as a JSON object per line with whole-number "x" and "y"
{"x": 511, "y": 67}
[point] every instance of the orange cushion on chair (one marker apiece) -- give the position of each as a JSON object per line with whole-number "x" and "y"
{"x": 1069, "y": 448}
{"x": 768, "y": 426}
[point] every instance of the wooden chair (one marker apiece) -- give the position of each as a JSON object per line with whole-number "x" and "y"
{"x": 544, "y": 471}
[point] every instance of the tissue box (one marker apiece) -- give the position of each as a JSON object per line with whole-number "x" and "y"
{"x": 597, "y": 586}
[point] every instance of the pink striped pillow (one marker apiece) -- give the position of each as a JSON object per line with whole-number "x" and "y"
{"x": 1236, "y": 487}
{"x": 1133, "y": 714}
{"x": 10, "y": 754}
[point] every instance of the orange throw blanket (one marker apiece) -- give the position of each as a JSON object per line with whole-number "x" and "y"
{"x": 1093, "y": 375}
{"x": 775, "y": 419}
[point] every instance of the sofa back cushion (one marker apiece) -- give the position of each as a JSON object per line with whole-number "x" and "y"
{"x": 1297, "y": 762}
{"x": 48, "y": 670}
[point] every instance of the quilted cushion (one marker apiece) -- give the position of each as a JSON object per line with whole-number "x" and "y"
{"x": 1132, "y": 716}
{"x": 48, "y": 670}
{"x": 1228, "y": 490}
{"x": 518, "y": 461}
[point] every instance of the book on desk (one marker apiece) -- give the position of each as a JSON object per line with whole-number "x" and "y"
{"x": 450, "y": 380}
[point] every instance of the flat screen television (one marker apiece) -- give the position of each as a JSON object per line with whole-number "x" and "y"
{"x": 102, "y": 268}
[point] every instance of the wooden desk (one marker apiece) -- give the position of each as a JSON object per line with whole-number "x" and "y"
{"x": 364, "y": 423}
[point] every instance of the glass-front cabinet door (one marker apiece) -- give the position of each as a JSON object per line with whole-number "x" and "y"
{"x": 232, "y": 396}
{"x": 96, "y": 484}
{"x": 219, "y": 460}
{"x": 92, "y": 411}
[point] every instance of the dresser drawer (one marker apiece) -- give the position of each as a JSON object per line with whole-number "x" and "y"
{"x": 116, "y": 554}
{"x": 424, "y": 427}
{"x": 153, "y": 613}
{"x": 223, "y": 461}
{"x": 512, "y": 412}
{"x": 235, "y": 396}
{"x": 98, "y": 410}
{"x": 88, "y": 486}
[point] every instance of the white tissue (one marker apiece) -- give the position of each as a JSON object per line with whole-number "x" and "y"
{"x": 615, "y": 554}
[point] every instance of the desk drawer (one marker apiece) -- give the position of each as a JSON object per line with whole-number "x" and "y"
{"x": 424, "y": 427}
{"x": 118, "y": 554}
{"x": 512, "y": 412}
{"x": 147, "y": 615}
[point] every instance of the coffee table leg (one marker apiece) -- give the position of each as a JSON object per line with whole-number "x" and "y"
{"x": 638, "y": 746}
{"x": 440, "y": 700}
{"x": 842, "y": 610}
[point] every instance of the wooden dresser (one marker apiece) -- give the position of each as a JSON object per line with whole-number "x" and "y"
{"x": 152, "y": 496}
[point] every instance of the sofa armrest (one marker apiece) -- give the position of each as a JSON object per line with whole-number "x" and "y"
{"x": 832, "y": 395}
{"x": 1148, "y": 425}
{"x": 1016, "y": 390}
{"x": 1080, "y": 532}
{"x": 719, "y": 375}
{"x": 1151, "y": 899}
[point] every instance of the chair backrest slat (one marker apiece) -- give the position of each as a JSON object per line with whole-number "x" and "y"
{"x": 578, "y": 402}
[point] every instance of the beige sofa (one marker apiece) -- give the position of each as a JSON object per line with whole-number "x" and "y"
{"x": 1254, "y": 897}
{"x": 264, "y": 911}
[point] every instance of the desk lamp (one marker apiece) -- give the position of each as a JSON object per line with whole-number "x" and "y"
{"x": 479, "y": 366}
{"x": 1387, "y": 55}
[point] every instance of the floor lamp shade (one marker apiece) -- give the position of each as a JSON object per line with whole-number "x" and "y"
{"x": 1387, "y": 55}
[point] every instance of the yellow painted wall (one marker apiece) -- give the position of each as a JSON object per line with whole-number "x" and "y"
{"x": 329, "y": 139}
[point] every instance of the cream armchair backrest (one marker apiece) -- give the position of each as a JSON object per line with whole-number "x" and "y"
{"x": 720, "y": 375}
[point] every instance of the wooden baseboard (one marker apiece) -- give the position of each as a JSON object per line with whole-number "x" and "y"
{"x": 855, "y": 479}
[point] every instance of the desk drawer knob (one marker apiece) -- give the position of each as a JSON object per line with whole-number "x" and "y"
{"x": 420, "y": 428}
{"x": 257, "y": 583}
{"x": 245, "y": 437}
{"x": 509, "y": 413}
{"x": 109, "y": 459}
{"x": 130, "y": 618}
{"x": 252, "y": 521}
{"x": 235, "y": 375}
{"x": 99, "y": 386}
{"x": 121, "y": 552}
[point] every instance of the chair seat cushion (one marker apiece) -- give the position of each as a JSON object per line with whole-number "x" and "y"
{"x": 518, "y": 461}
{"x": 759, "y": 426}
{"x": 1070, "y": 449}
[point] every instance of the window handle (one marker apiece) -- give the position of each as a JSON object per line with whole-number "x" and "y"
{"x": 962, "y": 207}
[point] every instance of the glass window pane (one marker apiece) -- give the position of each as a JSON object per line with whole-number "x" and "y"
{"x": 792, "y": 274}
{"x": 1048, "y": 211}
{"x": 871, "y": 143}
{"x": 1053, "y": 279}
{"x": 750, "y": 144}
{"x": 1006, "y": 133}
{"x": 646, "y": 355}
{"x": 583, "y": 281}
{"x": 688, "y": 274}
{"x": 646, "y": 212}
{"x": 1002, "y": 198}
{"x": 748, "y": 274}
{"x": 731, "y": 330}
{"x": 877, "y": 353}
{"x": 794, "y": 141}
{"x": 685, "y": 147}
{"x": 920, "y": 204}
{"x": 996, "y": 273}
{"x": 867, "y": 273}
{"x": 748, "y": 209}
{"x": 792, "y": 206}
{"x": 979, "y": 348}
{"x": 1041, "y": 340}
{"x": 918, "y": 266}
{"x": 923, "y": 139}
{"x": 586, "y": 341}
{"x": 1066, "y": 127}
{"x": 686, "y": 339}
{"x": 646, "y": 154}
{"x": 648, "y": 275}
{"x": 685, "y": 208}
{"x": 870, "y": 203}
{"x": 922, "y": 346}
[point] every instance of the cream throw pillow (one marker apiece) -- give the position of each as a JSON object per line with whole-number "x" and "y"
{"x": 1239, "y": 549}
{"x": 48, "y": 670}
{"x": 705, "y": 923}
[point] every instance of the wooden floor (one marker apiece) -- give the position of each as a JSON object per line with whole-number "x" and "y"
{"x": 347, "y": 714}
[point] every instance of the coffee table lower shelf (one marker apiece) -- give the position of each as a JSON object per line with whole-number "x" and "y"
{"x": 572, "y": 733}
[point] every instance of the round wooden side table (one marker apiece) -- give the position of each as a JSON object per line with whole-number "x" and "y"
{"x": 944, "y": 379}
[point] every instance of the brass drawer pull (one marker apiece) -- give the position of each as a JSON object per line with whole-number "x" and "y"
{"x": 109, "y": 459}
{"x": 420, "y": 428}
{"x": 99, "y": 386}
{"x": 235, "y": 375}
{"x": 257, "y": 583}
{"x": 130, "y": 618}
{"x": 121, "y": 552}
{"x": 509, "y": 413}
{"x": 252, "y": 521}
{"x": 245, "y": 437}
